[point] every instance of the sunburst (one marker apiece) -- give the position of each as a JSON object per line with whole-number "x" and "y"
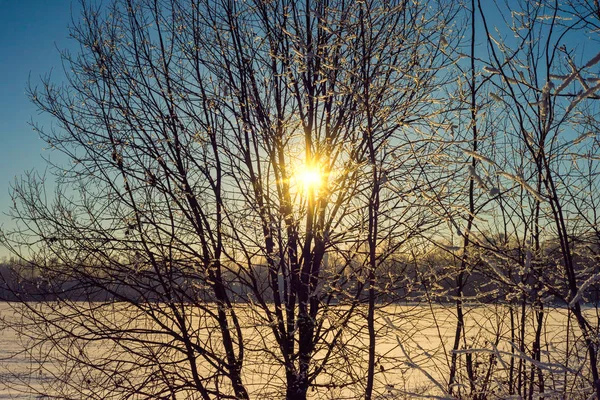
{"x": 310, "y": 177}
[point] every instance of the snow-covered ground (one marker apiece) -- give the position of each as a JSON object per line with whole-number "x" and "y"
{"x": 413, "y": 346}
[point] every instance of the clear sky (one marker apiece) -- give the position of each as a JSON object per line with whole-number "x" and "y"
{"x": 30, "y": 33}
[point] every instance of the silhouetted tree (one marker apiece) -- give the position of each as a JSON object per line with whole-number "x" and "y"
{"x": 218, "y": 153}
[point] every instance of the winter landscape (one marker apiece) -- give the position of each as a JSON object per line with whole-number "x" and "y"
{"x": 318, "y": 199}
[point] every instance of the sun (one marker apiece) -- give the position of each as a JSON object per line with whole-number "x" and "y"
{"x": 310, "y": 177}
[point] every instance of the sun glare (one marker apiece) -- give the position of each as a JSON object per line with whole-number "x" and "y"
{"x": 310, "y": 177}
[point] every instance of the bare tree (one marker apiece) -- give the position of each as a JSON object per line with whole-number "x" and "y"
{"x": 534, "y": 83}
{"x": 216, "y": 154}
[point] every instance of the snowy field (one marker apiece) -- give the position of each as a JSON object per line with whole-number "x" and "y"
{"x": 414, "y": 346}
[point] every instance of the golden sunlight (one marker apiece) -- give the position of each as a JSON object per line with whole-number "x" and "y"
{"x": 309, "y": 177}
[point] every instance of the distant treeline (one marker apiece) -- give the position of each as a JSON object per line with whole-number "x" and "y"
{"x": 400, "y": 281}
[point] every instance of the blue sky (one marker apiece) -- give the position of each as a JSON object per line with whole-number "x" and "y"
{"x": 30, "y": 33}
